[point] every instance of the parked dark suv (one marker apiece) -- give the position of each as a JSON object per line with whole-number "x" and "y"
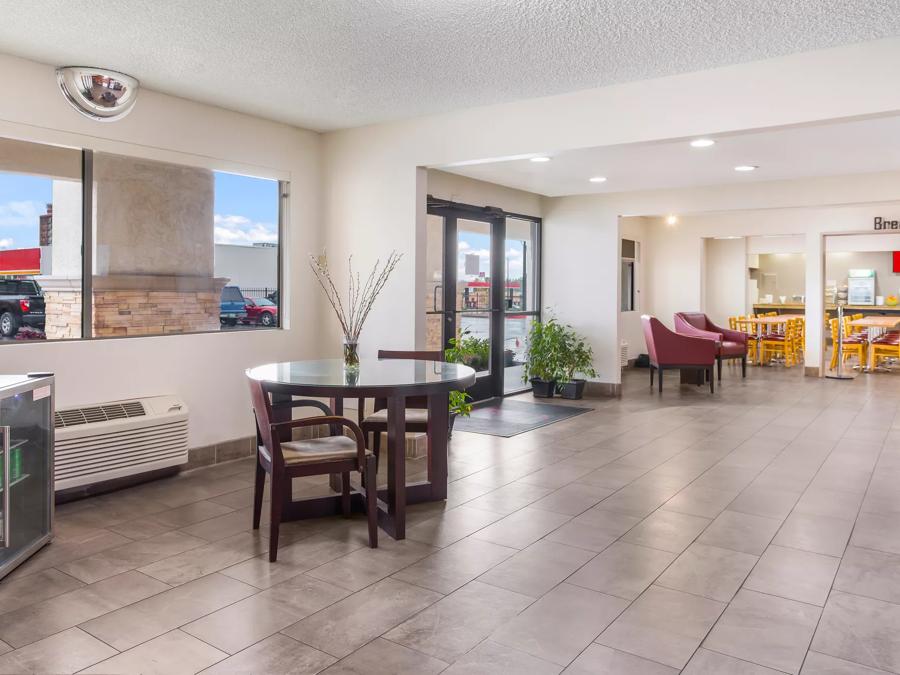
{"x": 232, "y": 307}
{"x": 21, "y": 304}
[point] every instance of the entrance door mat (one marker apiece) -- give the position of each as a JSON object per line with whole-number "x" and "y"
{"x": 511, "y": 418}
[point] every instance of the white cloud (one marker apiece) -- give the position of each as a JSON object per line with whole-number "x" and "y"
{"x": 19, "y": 213}
{"x": 6, "y": 243}
{"x": 463, "y": 246}
{"x": 243, "y": 231}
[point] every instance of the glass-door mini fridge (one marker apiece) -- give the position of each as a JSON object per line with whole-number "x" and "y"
{"x": 26, "y": 475}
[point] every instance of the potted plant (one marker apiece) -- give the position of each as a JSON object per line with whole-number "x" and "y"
{"x": 473, "y": 352}
{"x": 576, "y": 357}
{"x": 542, "y": 365}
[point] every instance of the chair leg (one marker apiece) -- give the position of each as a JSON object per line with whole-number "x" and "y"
{"x": 258, "y": 489}
{"x": 651, "y": 377}
{"x": 376, "y": 446}
{"x": 712, "y": 383}
{"x": 660, "y": 380}
{"x": 743, "y": 366}
{"x": 275, "y": 516}
{"x": 719, "y": 367}
{"x": 371, "y": 482}
{"x": 345, "y": 494}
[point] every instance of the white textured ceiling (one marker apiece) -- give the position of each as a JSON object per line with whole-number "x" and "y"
{"x": 830, "y": 149}
{"x": 327, "y": 64}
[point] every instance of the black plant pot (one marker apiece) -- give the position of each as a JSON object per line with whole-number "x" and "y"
{"x": 542, "y": 388}
{"x": 573, "y": 390}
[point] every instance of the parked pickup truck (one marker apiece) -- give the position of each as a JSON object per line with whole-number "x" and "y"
{"x": 232, "y": 307}
{"x": 21, "y": 304}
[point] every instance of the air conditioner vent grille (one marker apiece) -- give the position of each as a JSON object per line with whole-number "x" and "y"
{"x": 98, "y": 413}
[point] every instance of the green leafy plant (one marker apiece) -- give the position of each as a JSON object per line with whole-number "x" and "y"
{"x": 470, "y": 351}
{"x": 576, "y": 357}
{"x": 542, "y": 357}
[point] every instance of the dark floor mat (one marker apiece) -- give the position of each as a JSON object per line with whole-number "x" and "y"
{"x": 511, "y": 418}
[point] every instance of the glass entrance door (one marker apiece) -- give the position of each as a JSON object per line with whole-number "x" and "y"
{"x": 487, "y": 293}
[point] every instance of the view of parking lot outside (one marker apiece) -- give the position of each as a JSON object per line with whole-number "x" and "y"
{"x": 208, "y": 249}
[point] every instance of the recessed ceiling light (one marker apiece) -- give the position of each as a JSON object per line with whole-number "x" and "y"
{"x": 671, "y": 220}
{"x": 746, "y": 167}
{"x": 598, "y": 179}
{"x": 540, "y": 159}
{"x": 702, "y": 143}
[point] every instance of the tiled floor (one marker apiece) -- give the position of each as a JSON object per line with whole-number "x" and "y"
{"x": 753, "y": 531}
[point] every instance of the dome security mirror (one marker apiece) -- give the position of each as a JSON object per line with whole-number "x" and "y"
{"x": 103, "y": 95}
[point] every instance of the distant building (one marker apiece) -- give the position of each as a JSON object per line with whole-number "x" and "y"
{"x": 46, "y": 227}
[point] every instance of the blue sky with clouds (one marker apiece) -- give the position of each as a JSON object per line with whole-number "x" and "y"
{"x": 246, "y": 209}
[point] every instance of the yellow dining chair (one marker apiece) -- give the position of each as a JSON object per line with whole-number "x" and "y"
{"x": 854, "y": 345}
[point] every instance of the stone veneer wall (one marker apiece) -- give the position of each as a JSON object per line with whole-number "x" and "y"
{"x": 137, "y": 312}
{"x": 62, "y": 308}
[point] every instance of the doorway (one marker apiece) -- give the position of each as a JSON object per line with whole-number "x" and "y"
{"x": 483, "y": 267}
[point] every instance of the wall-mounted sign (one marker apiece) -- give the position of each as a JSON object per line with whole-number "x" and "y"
{"x": 885, "y": 224}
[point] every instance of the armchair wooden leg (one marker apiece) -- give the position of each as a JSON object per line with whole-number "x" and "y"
{"x": 345, "y": 494}
{"x": 712, "y": 383}
{"x": 743, "y": 366}
{"x": 660, "y": 380}
{"x": 371, "y": 484}
{"x": 275, "y": 515}
{"x": 719, "y": 367}
{"x": 651, "y": 377}
{"x": 258, "y": 489}
{"x": 376, "y": 446}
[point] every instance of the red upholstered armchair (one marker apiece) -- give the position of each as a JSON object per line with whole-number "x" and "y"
{"x": 732, "y": 344}
{"x": 670, "y": 351}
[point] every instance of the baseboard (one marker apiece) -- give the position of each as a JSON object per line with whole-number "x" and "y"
{"x": 603, "y": 389}
{"x": 217, "y": 453}
{"x": 811, "y": 371}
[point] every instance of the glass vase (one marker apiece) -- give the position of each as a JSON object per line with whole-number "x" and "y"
{"x": 351, "y": 355}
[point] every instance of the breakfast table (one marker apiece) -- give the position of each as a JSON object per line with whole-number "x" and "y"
{"x": 394, "y": 380}
{"x": 769, "y": 322}
{"x": 876, "y": 325}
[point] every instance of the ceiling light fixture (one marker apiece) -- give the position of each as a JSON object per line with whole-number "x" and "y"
{"x": 540, "y": 159}
{"x": 598, "y": 179}
{"x": 702, "y": 143}
{"x": 671, "y": 220}
{"x": 745, "y": 167}
{"x": 97, "y": 93}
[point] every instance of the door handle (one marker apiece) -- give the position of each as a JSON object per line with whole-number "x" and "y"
{"x": 6, "y": 461}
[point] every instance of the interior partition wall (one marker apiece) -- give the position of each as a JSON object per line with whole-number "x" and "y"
{"x": 483, "y": 265}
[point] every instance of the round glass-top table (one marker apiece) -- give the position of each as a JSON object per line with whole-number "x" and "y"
{"x": 393, "y": 380}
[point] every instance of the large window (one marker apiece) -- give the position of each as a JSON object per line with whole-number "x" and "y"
{"x": 167, "y": 248}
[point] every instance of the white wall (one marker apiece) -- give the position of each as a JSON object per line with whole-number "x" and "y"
{"x": 725, "y": 278}
{"x": 247, "y": 266}
{"x": 375, "y": 188}
{"x": 480, "y": 193}
{"x": 630, "y": 328}
{"x": 206, "y": 370}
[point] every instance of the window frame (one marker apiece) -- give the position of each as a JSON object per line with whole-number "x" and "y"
{"x": 87, "y": 239}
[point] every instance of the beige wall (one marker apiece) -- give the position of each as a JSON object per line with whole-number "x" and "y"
{"x": 781, "y": 274}
{"x": 725, "y": 279}
{"x": 206, "y": 370}
{"x": 886, "y": 282}
{"x": 480, "y": 193}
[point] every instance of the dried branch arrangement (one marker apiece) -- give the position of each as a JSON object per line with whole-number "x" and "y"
{"x": 361, "y": 294}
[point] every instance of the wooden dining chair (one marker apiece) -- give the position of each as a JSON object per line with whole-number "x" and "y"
{"x": 284, "y": 459}
{"x": 416, "y": 406}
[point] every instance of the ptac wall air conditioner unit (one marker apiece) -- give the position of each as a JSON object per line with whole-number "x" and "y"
{"x": 112, "y": 440}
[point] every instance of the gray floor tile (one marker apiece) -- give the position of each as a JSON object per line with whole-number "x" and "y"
{"x": 491, "y": 657}
{"x": 538, "y": 568}
{"x": 874, "y": 574}
{"x": 66, "y": 652}
{"x": 159, "y": 614}
{"x": 600, "y": 660}
{"x": 573, "y": 499}
{"x": 276, "y": 654}
{"x": 452, "y": 626}
{"x": 509, "y": 498}
{"x": 667, "y": 531}
{"x": 45, "y": 618}
{"x": 347, "y": 625}
{"x": 365, "y": 566}
{"x": 522, "y": 528}
{"x": 794, "y": 574}
{"x": 821, "y": 664}
{"x": 831, "y": 503}
{"x": 877, "y": 531}
{"x": 663, "y": 625}
{"x": 700, "y": 500}
{"x": 381, "y": 657}
{"x": 583, "y": 535}
{"x": 742, "y": 532}
{"x": 456, "y": 565}
{"x": 16, "y": 591}
{"x": 623, "y": 570}
{"x": 174, "y": 653}
{"x": 561, "y": 624}
{"x": 452, "y": 525}
{"x": 205, "y": 560}
{"x": 764, "y": 501}
{"x": 252, "y": 619}
{"x": 705, "y": 662}
{"x": 715, "y": 573}
{"x": 819, "y": 534}
{"x": 613, "y": 476}
{"x": 862, "y": 630}
{"x": 773, "y": 632}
